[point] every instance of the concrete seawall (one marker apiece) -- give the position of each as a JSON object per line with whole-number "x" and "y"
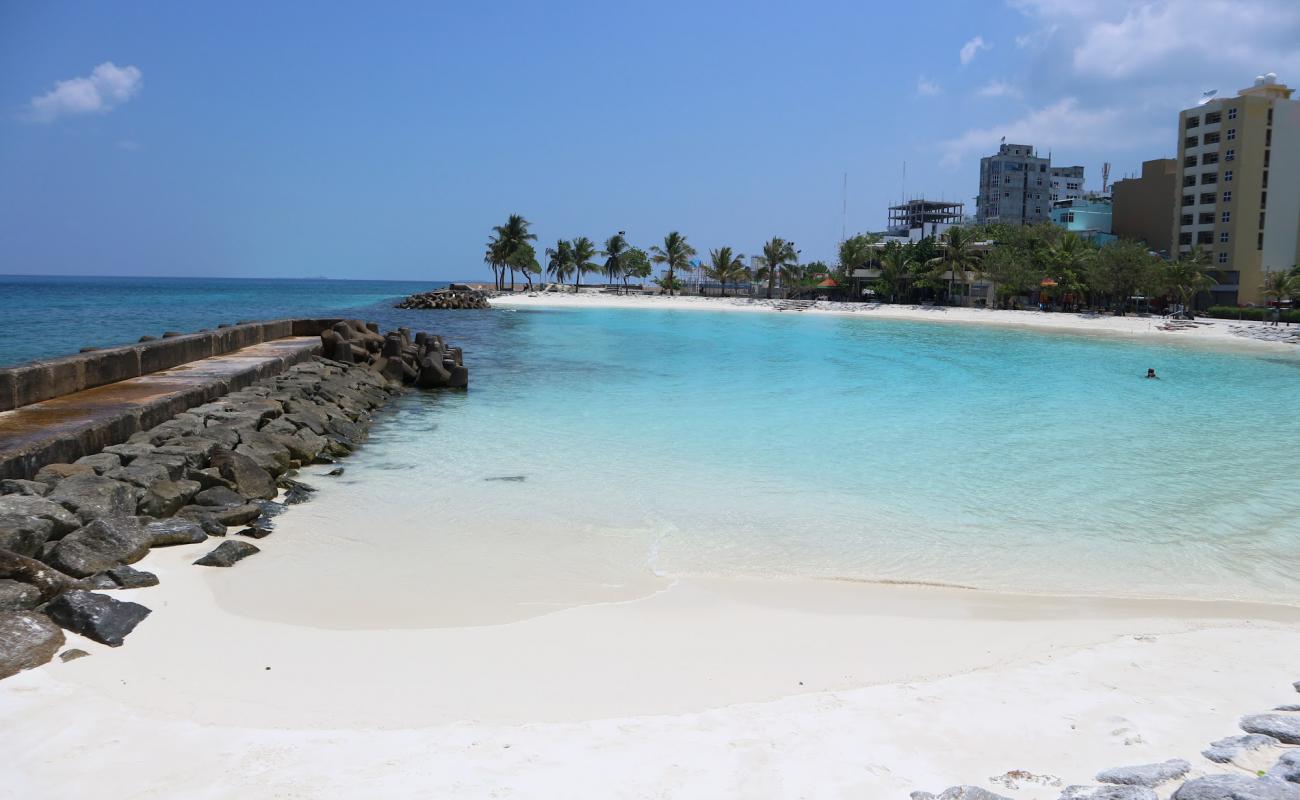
{"x": 58, "y": 410}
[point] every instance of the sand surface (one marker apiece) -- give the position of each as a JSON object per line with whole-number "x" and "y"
{"x": 1211, "y": 332}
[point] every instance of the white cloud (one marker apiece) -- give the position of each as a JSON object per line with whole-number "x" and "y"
{"x": 997, "y": 89}
{"x": 972, "y": 48}
{"x": 107, "y": 87}
{"x": 927, "y": 88}
{"x": 1064, "y": 125}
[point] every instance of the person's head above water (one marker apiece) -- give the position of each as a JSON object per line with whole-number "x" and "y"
{"x": 1151, "y": 372}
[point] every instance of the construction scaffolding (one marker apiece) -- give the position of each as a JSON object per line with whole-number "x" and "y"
{"x": 921, "y": 213}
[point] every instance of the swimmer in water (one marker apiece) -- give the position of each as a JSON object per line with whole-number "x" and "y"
{"x": 1151, "y": 373}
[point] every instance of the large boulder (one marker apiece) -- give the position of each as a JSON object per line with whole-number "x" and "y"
{"x": 174, "y": 531}
{"x": 227, "y": 553}
{"x": 51, "y": 474}
{"x": 47, "y": 580}
{"x": 96, "y": 616}
{"x": 249, "y": 479}
{"x": 101, "y": 462}
{"x": 263, "y": 448}
{"x": 22, "y": 487}
{"x": 63, "y": 521}
{"x": 223, "y": 515}
{"x": 1227, "y": 750}
{"x": 143, "y": 473}
{"x": 1110, "y": 792}
{"x": 131, "y": 578}
{"x": 23, "y": 534}
{"x": 27, "y": 639}
{"x": 94, "y": 496}
{"x": 18, "y": 596}
{"x": 166, "y": 497}
{"x": 218, "y": 496}
{"x": 1149, "y": 775}
{"x": 1237, "y": 787}
{"x": 101, "y": 545}
{"x": 1287, "y": 767}
{"x": 1283, "y": 727}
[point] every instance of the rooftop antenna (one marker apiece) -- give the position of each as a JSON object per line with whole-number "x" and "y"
{"x": 903, "y": 188}
{"x": 1105, "y": 176}
{"x": 844, "y": 211}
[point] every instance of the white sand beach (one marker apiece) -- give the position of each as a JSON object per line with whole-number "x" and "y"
{"x": 252, "y": 682}
{"x": 1212, "y": 332}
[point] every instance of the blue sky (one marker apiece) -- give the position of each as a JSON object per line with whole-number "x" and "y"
{"x": 384, "y": 140}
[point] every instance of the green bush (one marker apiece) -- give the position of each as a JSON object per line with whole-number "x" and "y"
{"x": 1256, "y": 313}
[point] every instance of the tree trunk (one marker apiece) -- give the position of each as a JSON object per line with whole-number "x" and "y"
{"x": 670, "y": 280}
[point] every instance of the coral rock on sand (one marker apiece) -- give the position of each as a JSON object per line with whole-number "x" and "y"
{"x": 1287, "y": 767}
{"x": 1149, "y": 775}
{"x": 959, "y": 793}
{"x": 168, "y": 532}
{"x": 1227, "y": 750}
{"x": 96, "y": 616}
{"x": 227, "y": 553}
{"x": 1283, "y": 727}
{"x": 1112, "y": 792}
{"x": 132, "y": 578}
{"x": 27, "y": 639}
{"x": 1237, "y": 787}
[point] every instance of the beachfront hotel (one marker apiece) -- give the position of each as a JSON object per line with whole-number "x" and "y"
{"x": 1240, "y": 187}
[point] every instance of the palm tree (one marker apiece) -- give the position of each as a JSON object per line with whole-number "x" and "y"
{"x": 675, "y": 254}
{"x": 583, "y": 251}
{"x": 494, "y": 258}
{"x": 1187, "y": 276}
{"x": 895, "y": 265}
{"x": 1280, "y": 286}
{"x": 1067, "y": 258}
{"x": 856, "y": 252}
{"x": 778, "y": 254}
{"x": 560, "y": 260}
{"x": 959, "y": 254}
{"x": 509, "y": 238}
{"x": 725, "y": 266}
{"x": 615, "y": 253}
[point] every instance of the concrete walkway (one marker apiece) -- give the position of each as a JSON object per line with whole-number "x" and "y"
{"x": 66, "y": 428}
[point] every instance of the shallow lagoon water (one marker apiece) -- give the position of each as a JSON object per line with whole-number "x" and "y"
{"x": 644, "y": 446}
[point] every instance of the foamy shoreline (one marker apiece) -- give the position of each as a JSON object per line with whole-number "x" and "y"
{"x": 1208, "y": 332}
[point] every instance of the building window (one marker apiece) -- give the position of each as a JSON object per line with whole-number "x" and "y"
{"x": 1223, "y": 258}
{"x": 1223, "y": 237}
{"x": 1205, "y": 237}
{"x": 1069, "y": 216}
{"x": 1210, "y": 177}
{"x": 1207, "y": 199}
{"x": 1232, "y": 113}
{"x": 1210, "y": 138}
{"x": 1227, "y": 197}
{"x": 1232, "y": 134}
{"x": 1185, "y": 238}
{"x": 1210, "y": 158}
{"x": 1187, "y": 219}
{"x": 1231, "y": 155}
{"x": 1227, "y": 176}
{"x": 1206, "y": 218}
{"x": 1212, "y": 118}
{"x": 1190, "y": 141}
{"x": 1193, "y": 122}
{"x": 1227, "y": 217}
{"x": 1189, "y": 180}
{"x": 1189, "y": 200}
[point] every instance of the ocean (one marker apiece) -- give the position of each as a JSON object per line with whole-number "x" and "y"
{"x": 644, "y": 445}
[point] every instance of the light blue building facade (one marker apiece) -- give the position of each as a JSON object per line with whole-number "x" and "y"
{"x": 1087, "y": 216}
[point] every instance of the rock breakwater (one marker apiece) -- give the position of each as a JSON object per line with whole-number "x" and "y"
{"x": 68, "y": 536}
{"x": 442, "y": 299}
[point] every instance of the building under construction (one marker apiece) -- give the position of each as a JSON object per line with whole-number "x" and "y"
{"x": 925, "y": 215}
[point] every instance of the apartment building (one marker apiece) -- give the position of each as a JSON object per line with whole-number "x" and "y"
{"x": 1142, "y": 206}
{"x": 1015, "y": 187}
{"x": 1066, "y": 183}
{"x": 1239, "y": 188}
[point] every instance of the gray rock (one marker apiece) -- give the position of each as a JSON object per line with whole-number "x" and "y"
{"x": 922, "y": 795}
{"x": 166, "y": 497}
{"x": 22, "y": 487}
{"x": 51, "y": 474}
{"x": 1112, "y": 792}
{"x": 249, "y": 479}
{"x": 336, "y": 472}
{"x": 47, "y": 580}
{"x": 72, "y": 654}
{"x": 218, "y": 496}
{"x": 129, "y": 452}
{"x": 1146, "y": 774}
{"x": 101, "y": 545}
{"x": 254, "y": 532}
{"x": 25, "y": 535}
{"x": 101, "y": 462}
{"x": 27, "y": 639}
{"x": 1225, "y": 751}
{"x": 18, "y": 596}
{"x": 209, "y": 477}
{"x": 168, "y": 532}
{"x": 264, "y": 448}
{"x": 223, "y": 515}
{"x": 1287, "y": 767}
{"x": 96, "y": 616}
{"x": 227, "y": 553}
{"x": 132, "y": 578}
{"x": 94, "y": 496}
{"x": 1236, "y": 787}
{"x": 1292, "y": 707}
{"x": 296, "y": 492}
{"x": 969, "y": 793}
{"x": 98, "y": 582}
{"x": 1283, "y": 727}
{"x": 195, "y": 450}
{"x": 63, "y": 520}
{"x": 143, "y": 473}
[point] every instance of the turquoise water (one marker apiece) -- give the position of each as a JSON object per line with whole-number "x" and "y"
{"x": 794, "y": 445}
{"x": 678, "y": 443}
